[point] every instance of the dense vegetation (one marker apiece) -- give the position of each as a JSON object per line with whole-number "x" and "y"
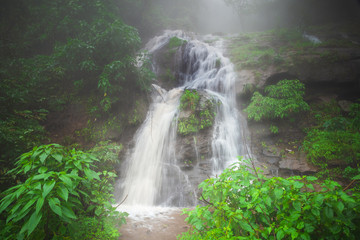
{"x": 57, "y": 53}
{"x": 62, "y": 196}
{"x": 243, "y": 204}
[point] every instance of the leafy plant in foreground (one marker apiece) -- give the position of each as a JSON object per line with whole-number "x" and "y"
{"x": 60, "y": 186}
{"x": 246, "y": 205}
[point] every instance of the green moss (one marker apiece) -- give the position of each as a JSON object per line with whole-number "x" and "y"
{"x": 175, "y": 42}
{"x": 201, "y": 117}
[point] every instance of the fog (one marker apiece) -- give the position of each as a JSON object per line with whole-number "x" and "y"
{"x": 215, "y": 16}
{"x": 151, "y": 17}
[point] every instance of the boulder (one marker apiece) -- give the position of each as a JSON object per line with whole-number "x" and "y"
{"x": 297, "y": 164}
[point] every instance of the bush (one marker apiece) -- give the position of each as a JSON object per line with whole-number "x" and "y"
{"x": 282, "y": 100}
{"x": 325, "y": 146}
{"x": 60, "y": 186}
{"x": 246, "y": 205}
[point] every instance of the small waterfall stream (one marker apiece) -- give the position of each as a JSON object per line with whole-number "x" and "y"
{"x": 153, "y": 177}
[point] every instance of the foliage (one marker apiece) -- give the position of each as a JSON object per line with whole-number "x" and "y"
{"x": 282, "y": 100}
{"x": 201, "y": 116}
{"x": 244, "y": 204}
{"x": 56, "y": 51}
{"x": 274, "y": 129}
{"x": 189, "y": 100}
{"x": 325, "y": 146}
{"x": 60, "y": 186}
{"x": 335, "y": 140}
{"x": 19, "y": 132}
{"x": 175, "y": 42}
{"x": 89, "y": 228}
{"x": 252, "y": 56}
{"x": 107, "y": 153}
{"x": 95, "y": 132}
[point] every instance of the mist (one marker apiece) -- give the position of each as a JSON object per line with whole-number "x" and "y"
{"x": 215, "y": 16}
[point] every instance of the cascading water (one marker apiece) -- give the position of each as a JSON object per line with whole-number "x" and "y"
{"x": 153, "y": 176}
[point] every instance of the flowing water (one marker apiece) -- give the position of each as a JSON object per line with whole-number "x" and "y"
{"x": 153, "y": 177}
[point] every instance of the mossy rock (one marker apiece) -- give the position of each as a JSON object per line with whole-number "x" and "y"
{"x": 197, "y": 112}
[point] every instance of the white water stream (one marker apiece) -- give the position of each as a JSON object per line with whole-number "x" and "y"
{"x": 153, "y": 177}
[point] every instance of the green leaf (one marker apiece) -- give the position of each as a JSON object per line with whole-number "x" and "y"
{"x": 98, "y": 211}
{"x": 319, "y": 198}
{"x": 300, "y": 225}
{"x": 268, "y": 201}
{"x": 310, "y": 186}
{"x": 68, "y": 212}
{"x": 42, "y": 176}
{"x": 305, "y": 236}
{"x": 280, "y": 234}
{"x": 357, "y": 177}
{"x": 329, "y": 213}
{"x": 67, "y": 180}
{"x": 346, "y": 198}
{"x": 315, "y": 211}
{"x": 78, "y": 165}
{"x": 6, "y": 201}
{"x": 32, "y": 223}
{"x": 244, "y": 225}
{"x": 90, "y": 174}
{"x": 339, "y": 206}
{"x": 39, "y": 204}
{"x": 298, "y": 184}
{"x": 54, "y": 204}
{"x": 20, "y": 191}
{"x": 43, "y": 157}
{"x": 28, "y": 205}
{"x": 311, "y": 178}
{"x": 278, "y": 192}
{"x": 297, "y": 205}
{"x": 48, "y": 186}
{"x": 27, "y": 167}
{"x": 22, "y": 213}
{"x": 58, "y": 157}
{"x": 309, "y": 228}
{"x": 63, "y": 192}
{"x": 42, "y": 169}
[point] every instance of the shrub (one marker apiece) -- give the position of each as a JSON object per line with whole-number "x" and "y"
{"x": 281, "y": 100}
{"x": 189, "y": 100}
{"x": 246, "y": 205}
{"x": 322, "y": 146}
{"x": 60, "y": 186}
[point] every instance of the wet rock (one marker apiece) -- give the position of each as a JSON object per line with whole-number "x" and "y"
{"x": 297, "y": 164}
{"x": 194, "y": 138}
{"x": 271, "y": 152}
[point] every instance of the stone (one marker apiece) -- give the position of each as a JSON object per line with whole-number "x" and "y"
{"x": 297, "y": 165}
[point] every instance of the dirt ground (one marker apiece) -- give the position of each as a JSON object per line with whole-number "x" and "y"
{"x": 165, "y": 225}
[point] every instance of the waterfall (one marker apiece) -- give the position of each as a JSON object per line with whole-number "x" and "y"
{"x": 152, "y": 175}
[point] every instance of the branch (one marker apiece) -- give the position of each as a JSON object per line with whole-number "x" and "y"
{"x": 205, "y": 201}
{"x": 348, "y": 186}
{"x": 122, "y": 201}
